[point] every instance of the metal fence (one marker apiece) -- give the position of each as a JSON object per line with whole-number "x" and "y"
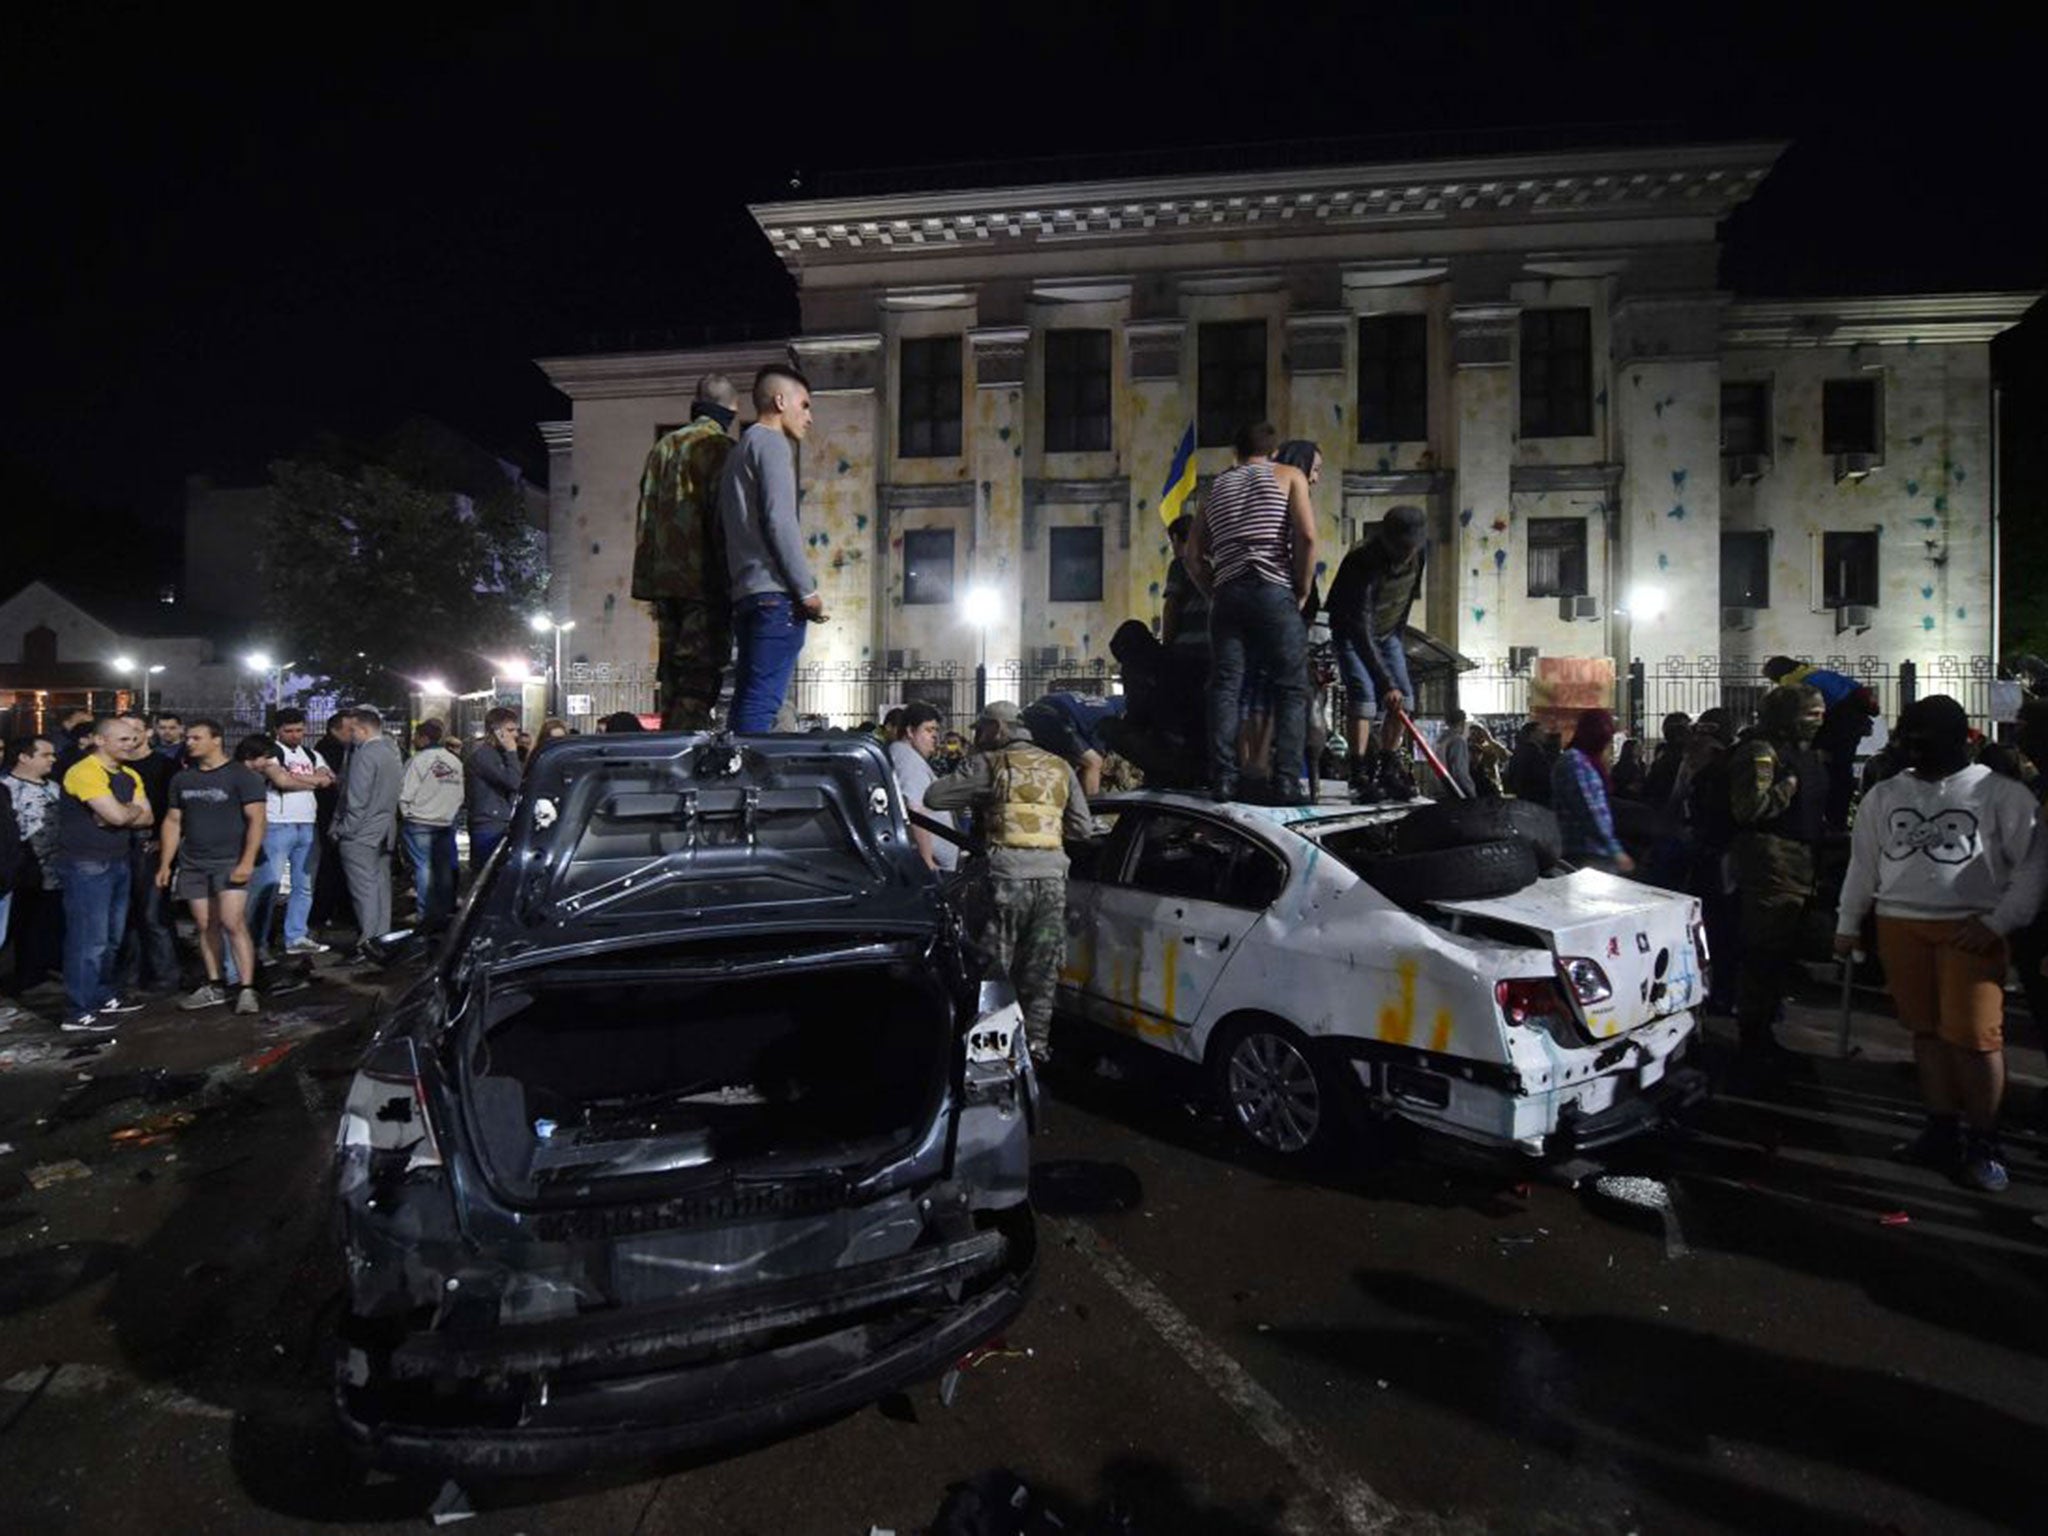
{"x": 1691, "y": 684}
{"x": 849, "y": 693}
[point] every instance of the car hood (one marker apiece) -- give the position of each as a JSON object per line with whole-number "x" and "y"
{"x": 640, "y": 832}
{"x": 1642, "y": 940}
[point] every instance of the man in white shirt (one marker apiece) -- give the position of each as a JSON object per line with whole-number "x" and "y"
{"x": 290, "y": 845}
{"x": 910, "y": 755}
{"x": 1949, "y": 855}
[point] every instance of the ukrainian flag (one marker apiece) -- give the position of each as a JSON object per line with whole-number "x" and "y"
{"x": 1180, "y": 480}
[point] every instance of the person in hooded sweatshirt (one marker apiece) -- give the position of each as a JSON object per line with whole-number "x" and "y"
{"x": 1377, "y": 584}
{"x": 1777, "y": 804}
{"x": 1949, "y": 855}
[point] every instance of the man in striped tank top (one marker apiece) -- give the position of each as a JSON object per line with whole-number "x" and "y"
{"x": 1253, "y": 550}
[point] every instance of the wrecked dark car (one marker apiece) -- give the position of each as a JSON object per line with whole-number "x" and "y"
{"x": 701, "y": 1127}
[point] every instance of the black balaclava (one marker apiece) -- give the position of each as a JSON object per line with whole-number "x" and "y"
{"x": 1402, "y": 530}
{"x": 1782, "y": 715}
{"x": 1934, "y": 737}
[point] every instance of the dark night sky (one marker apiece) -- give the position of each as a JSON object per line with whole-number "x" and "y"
{"x": 226, "y": 239}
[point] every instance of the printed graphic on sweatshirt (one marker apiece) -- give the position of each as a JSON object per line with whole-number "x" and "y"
{"x": 1950, "y": 838}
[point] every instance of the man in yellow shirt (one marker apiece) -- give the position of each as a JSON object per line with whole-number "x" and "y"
{"x": 102, "y": 804}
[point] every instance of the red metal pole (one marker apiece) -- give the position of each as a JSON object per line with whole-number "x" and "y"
{"x": 1429, "y": 752}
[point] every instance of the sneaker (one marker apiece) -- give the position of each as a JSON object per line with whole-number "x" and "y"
{"x": 1938, "y": 1146}
{"x": 246, "y": 1002}
{"x": 1983, "y": 1166}
{"x": 123, "y": 1005}
{"x": 209, "y": 995}
{"x": 305, "y": 947}
{"x": 88, "y": 1023}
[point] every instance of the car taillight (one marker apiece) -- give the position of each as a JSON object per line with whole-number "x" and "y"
{"x": 1588, "y": 982}
{"x": 386, "y": 1113}
{"x": 1535, "y": 1002}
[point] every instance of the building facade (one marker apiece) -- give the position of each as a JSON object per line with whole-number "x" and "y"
{"x": 1620, "y": 462}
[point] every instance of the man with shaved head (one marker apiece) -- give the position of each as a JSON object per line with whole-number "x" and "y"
{"x": 774, "y": 594}
{"x": 679, "y": 555}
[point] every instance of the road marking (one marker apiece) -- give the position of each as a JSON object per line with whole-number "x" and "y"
{"x": 1360, "y": 1510}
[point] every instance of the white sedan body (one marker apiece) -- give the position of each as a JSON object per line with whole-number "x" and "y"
{"x": 1187, "y": 919}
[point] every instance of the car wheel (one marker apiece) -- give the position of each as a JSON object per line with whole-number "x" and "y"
{"x": 1461, "y": 823}
{"x": 1277, "y": 1091}
{"x": 1468, "y": 873}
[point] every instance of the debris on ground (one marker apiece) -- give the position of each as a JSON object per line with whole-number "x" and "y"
{"x": 1893, "y": 1219}
{"x": 1646, "y": 1194}
{"x": 28, "y": 1053}
{"x": 263, "y": 1061}
{"x": 152, "y": 1085}
{"x": 6, "y": 1147}
{"x": 151, "y": 1129}
{"x": 86, "y": 1048}
{"x": 450, "y": 1505}
{"x": 43, "y": 1175}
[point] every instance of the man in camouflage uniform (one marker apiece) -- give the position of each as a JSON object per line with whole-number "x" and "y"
{"x": 679, "y": 556}
{"x": 1030, "y": 803}
{"x": 1777, "y": 788}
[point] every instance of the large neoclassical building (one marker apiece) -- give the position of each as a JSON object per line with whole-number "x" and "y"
{"x": 1620, "y": 461}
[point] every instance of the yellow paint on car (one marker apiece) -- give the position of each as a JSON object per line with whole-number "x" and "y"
{"x": 1397, "y": 1024}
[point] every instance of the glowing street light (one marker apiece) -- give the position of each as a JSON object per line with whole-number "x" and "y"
{"x": 542, "y": 623}
{"x": 1647, "y": 603}
{"x": 433, "y": 688}
{"x": 130, "y": 665}
{"x": 262, "y": 662}
{"x": 981, "y": 606}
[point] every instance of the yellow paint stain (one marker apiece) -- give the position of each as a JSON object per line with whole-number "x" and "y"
{"x": 1172, "y": 978}
{"x": 1440, "y": 1037}
{"x": 1397, "y": 1024}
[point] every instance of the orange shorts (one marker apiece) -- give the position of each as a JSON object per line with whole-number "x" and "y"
{"x": 1942, "y": 990}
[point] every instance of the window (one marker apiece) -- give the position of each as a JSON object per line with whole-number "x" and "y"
{"x": 1745, "y": 420}
{"x": 1849, "y": 421}
{"x": 928, "y": 398}
{"x": 1557, "y": 372}
{"x": 1200, "y": 861}
{"x": 1230, "y": 380}
{"x": 928, "y": 565}
{"x": 1557, "y": 557}
{"x": 1848, "y": 570}
{"x": 1076, "y": 565}
{"x": 1077, "y": 392}
{"x": 1393, "y": 379}
{"x": 1746, "y": 570}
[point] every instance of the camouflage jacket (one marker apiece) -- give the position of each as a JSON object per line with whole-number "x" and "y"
{"x": 678, "y": 547}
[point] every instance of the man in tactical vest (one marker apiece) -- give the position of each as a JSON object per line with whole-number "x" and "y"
{"x": 679, "y": 556}
{"x": 1777, "y": 789}
{"x": 1029, "y": 803}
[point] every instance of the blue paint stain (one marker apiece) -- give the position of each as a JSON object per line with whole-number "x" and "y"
{"x": 1601, "y": 398}
{"x": 1962, "y": 613}
{"x": 1912, "y": 487}
{"x": 860, "y": 522}
{"x": 1322, "y": 566}
{"x": 1923, "y": 522}
{"x": 1500, "y": 559}
{"x": 1926, "y": 593}
{"x": 1475, "y": 570}
{"x": 1153, "y": 590}
{"x": 1677, "y": 513}
{"x": 1959, "y": 474}
{"x": 1003, "y": 433}
{"x": 1941, "y": 503}
{"x": 1386, "y": 464}
{"x": 844, "y": 466}
{"x": 1928, "y": 622}
{"x": 1663, "y": 562}
{"x": 1465, "y": 518}
{"x": 1916, "y": 441}
{"x": 1678, "y": 479}
{"x": 1478, "y": 615}
{"x": 1337, "y": 411}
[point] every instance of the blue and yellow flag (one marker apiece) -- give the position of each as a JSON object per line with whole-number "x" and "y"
{"x": 1180, "y": 480}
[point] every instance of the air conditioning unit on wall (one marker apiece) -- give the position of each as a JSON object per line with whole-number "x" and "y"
{"x": 1749, "y": 467}
{"x": 1738, "y": 618}
{"x": 1583, "y": 606}
{"x": 901, "y": 660}
{"x": 1857, "y": 619}
{"x": 1854, "y": 466}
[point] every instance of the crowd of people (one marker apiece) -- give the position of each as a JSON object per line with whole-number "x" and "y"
{"x": 109, "y": 824}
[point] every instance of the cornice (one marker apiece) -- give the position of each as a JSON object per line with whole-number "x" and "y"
{"x": 625, "y": 375}
{"x": 1935, "y": 319}
{"x": 558, "y": 436}
{"x": 1711, "y": 179}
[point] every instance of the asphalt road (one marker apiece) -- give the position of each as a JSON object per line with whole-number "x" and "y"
{"x": 1426, "y": 1341}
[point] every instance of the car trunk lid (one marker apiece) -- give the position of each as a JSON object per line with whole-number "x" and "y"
{"x": 1629, "y": 954}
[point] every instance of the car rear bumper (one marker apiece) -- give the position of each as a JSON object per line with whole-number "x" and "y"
{"x": 1647, "y": 1110}
{"x": 604, "y": 1391}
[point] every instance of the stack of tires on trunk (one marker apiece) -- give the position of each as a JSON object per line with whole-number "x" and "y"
{"x": 1465, "y": 850}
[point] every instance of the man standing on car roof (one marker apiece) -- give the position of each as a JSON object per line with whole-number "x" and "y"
{"x": 1777, "y": 788}
{"x": 1031, "y": 803}
{"x": 679, "y": 556}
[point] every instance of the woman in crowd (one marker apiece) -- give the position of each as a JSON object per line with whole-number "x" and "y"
{"x": 1579, "y": 793}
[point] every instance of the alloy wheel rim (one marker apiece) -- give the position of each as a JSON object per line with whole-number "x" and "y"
{"x": 1273, "y": 1092}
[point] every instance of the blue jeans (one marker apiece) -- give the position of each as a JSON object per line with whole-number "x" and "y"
{"x": 770, "y": 629}
{"x": 293, "y": 846}
{"x": 483, "y": 841}
{"x": 1254, "y": 623}
{"x": 432, "y": 851}
{"x": 95, "y": 917}
{"x": 1359, "y": 702}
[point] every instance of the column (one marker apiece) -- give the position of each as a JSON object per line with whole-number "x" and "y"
{"x": 846, "y": 542}
{"x": 1480, "y": 585}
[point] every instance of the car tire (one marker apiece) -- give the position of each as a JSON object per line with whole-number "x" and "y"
{"x": 1462, "y": 823}
{"x": 1283, "y": 1094}
{"x": 1466, "y": 873}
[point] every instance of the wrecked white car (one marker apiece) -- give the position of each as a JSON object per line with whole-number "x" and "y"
{"x": 702, "y": 1125}
{"x": 1408, "y": 960}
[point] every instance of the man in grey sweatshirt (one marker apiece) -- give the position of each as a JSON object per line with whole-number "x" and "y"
{"x": 365, "y": 828}
{"x": 773, "y": 592}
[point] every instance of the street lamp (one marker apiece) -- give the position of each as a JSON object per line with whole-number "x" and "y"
{"x": 541, "y": 625}
{"x": 1648, "y": 604}
{"x": 981, "y": 606}
{"x": 260, "y": 662}
{"x": 146, "y": 672}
